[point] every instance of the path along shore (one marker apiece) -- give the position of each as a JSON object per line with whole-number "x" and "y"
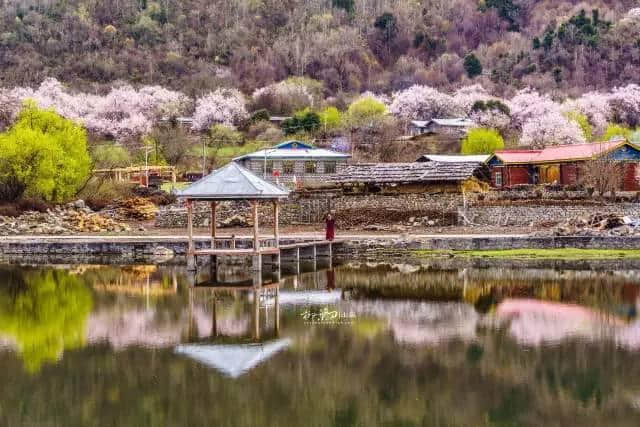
{"x": 353, "y": 245}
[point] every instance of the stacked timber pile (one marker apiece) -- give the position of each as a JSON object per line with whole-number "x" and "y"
{"x": 71, "y": 219}
{"x": 137, "y": 208}
{"x": 593, "y": 225}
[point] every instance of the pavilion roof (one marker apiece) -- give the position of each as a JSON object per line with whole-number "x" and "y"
{"x": 233, "y": 360}
{"x": 232, "y": 182}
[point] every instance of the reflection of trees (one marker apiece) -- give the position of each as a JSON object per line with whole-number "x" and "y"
{"x": 485, "y": 288}
{"x": 44, "y": 312}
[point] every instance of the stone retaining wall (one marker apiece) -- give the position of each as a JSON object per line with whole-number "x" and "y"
{"x": 364, "y": 248}
{"x": 528, "y": 215}
{"x": 311, "y": 210}
{"x": 373, "y": 249}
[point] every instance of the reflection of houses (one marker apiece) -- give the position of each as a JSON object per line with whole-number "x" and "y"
{"x": 294, "y": 161}
{"x": 457, "y": 127}
{"x": 562, "y": 164}
{"x": 534, "y": 322}
{"x": 418, "y": 177}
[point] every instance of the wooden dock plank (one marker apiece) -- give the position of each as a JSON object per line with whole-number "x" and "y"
{"x": 237, "y": 252}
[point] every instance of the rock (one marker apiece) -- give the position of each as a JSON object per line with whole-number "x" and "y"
{"x": 79, "y": 204}
{"x": 234, "y": 221}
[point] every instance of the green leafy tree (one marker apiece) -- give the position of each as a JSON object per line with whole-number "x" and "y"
{"x": 583, "y": 122}
{"x": 387, "y": 24}
{"x": 482, "y": 141}
{"x": 302, "y": 121}
{"x": 347, "y": 5}
{"x": 330, "y": 119}
{"x": 108, "y": 156}
{"x": 616, "y": 131}
{"x": 364, "y": 110}
{"x": 472, "y": 65}
{"x": 45, "y": 312}
{"x": 507, "y": 10}
{"x": 43, "y": 155}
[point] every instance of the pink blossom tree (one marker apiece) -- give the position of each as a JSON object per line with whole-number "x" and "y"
{"x": 625, "y": 104}
{"x": 528, "y": 104}
{"x": 551, "y": 128}
{"x": 223, "y": 106}
{"x": 423, "y": 103}
{"x": 122, "y": 113}
{"x": 465, "y": 97}
{"x": 595, "y": 106}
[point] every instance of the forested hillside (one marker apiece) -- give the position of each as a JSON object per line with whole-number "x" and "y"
{"x": 568, "y": 47}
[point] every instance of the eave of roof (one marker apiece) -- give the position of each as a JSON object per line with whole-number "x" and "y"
{"x": 294, "y": 153}
{"x": 538, "y": 156}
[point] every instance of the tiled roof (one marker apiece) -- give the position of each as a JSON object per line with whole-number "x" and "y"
{"x": 232, "y": 182}
{"x": 294, "y": 153}
{"x": 398, "y": 173}
{"x": 480, "y": 158}
{"x": 559, "y": 152}
{"x": 457, "y": 122}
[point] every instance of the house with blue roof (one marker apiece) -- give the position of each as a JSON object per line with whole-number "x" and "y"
{"x": 294, "y": 161}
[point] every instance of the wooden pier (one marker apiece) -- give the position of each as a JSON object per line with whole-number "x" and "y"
{"x": 233, "y": 182}
{"x": 267, "y": 253}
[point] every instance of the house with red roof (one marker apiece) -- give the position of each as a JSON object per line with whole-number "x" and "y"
{"x": 562, "y": 164}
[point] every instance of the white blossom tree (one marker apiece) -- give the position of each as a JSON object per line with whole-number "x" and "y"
{"x": 223, "y": 106}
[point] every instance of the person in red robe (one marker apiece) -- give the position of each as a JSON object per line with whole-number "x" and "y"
{"x": 330, "y": 227}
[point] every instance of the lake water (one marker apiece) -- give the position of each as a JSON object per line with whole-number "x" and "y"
{"x": 89, "y": 345}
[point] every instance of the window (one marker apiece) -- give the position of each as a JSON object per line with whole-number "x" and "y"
{"x": 498, "y": 178}
{"x": 329, "y": 167}
{"x": 268, "y": 167}
{"x": 287, "y": 167}
{"x": 309, "y": 167}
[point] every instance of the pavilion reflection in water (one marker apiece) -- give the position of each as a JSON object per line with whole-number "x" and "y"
{"x": 235, "y": 354}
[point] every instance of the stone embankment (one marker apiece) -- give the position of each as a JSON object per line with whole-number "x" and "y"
{"x": 353, "y": 248}
{"x": 70, "y": 219}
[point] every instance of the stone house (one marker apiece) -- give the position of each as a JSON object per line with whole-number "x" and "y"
{"x": 563, "y": 164}
{"x": 295, "y": 163}
{"x": 413, "y": 178}
{"x": 457, "y": 127}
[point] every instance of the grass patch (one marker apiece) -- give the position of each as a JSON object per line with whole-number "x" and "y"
{"x": 568, "y": 253}
{"x": 168, "y": 186}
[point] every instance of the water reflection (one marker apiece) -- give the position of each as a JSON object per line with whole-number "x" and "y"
{"x": 142, "y": 346}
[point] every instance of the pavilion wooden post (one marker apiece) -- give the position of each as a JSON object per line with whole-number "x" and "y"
{"x": 257, "y": 258}
{"x": 276, "y": 227}
{"x": 213, "y": 225}
{"x": 276, "y": 232}
{"x": 213, "y": 259}
{"x": 191, "y": 259}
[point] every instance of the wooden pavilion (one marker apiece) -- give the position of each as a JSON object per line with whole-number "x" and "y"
{"x": 233, "y": 182}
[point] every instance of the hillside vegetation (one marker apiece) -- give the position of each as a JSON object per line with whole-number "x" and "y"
{"x": 564, "y": 46}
